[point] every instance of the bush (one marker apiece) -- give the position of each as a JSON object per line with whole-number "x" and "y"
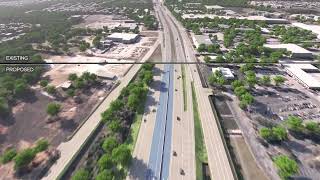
{"x": 286, "y": 166}
{"x": 71, "y": 92}
{"x": 81, "y": 174}
{"x": 7, "y": 156}
{"x": 41, "y": 145}
{"x": 50, "y": 89}
{"x": 44, "y": 83}
{"x": 24, "y": 158}
{"x": 53, "y": 109}
{"x": 105, "y": 162}
{"x": 109, "y": 144}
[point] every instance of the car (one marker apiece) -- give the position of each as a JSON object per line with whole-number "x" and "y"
{"x": 145, "y": 120}
{"x": 174, "y": 153}
{"x": 176, "y": 89}
{"x": 178, "y": 118}
{"x": 182, "y": 171}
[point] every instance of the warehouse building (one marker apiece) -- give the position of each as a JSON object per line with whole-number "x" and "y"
{"x": 125, "y": 38}
{"x": 296, "y": 51}
{"x": 201, "y": 39}
{"x": 303, "y": 74}
{"x": 226, "y": 72}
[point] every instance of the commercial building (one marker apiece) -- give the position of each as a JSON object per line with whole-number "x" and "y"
{"x": 201, "y": 39}
{"x": 252, "y": 18}
{"x": 296, "y": 51}
{"x": 125, "y": 38}
{"x": 226, "y": 72}
{"x": 303, "y": 74}
{"x": 314, "y": 28}
{"x": 213, "y": 7}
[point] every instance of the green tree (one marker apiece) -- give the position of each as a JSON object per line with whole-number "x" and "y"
{"x": 109, "y": 144}
{"x": 280, "y": 133}
{"x": 251, "y": 78}
{"x": 265, "y": 80}
{"x": 51, "y": 89}
{"x": 236, "y": 83}
{"x": 41, "y": 145}
{"x": 122, "y": 155}
{"x": 105, "y": 162}
{"x": 53, "y": 109}
{"x": 8, "y": 155}
{"x": 294, "y": 123}
{"x": 44, "y": 83}
{"x": 133, "y": 101}
{"x": 287, "y": 167}
{"x": 202, "y": 48}
{"x": 81, "y": 174}
{"x": 266, "y": 133}
{"x": 207, "y": 59}
{"x": 23, "y": 158}
{"x": 72, "y": 77}
{"x": 105, "y": 175}
{"x": 4, "y": 106}
{"x": 313, "y": 127}
{"x": 247, "y": 98}
{"x": 115, "y": 126}
{"x": 278, "y": 80}
{"x": 239, "y": 91}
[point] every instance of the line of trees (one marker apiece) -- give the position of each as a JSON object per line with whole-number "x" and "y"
{"x": 114, "y": 154}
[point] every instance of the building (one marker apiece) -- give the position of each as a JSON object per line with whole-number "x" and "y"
{"x": 314, "y": 28}
{"x": 125, "y": 38}
{"x": 252, "y": 18}
{"x": 226, "y": 72}
{"x": 303, "y": 74}
{"x": 213, "y": 7}
{"x": 296, "y": 51}
{"x": 101, "y": 72}
{"x": 106, "y": 43}
{"x": 201, "y": 39}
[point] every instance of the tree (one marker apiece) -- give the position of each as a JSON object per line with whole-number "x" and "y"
{"x": 202, "y": 48}
{"x": 8, "y": 155}
{"x": 53, "y": 109}
{"x": 81, "y": 174}
{"x": 41, "y": 145}
{"x": 4, "y": 107}
{"x": 72, "y": 77}
{"x": 278, "y": 80}
{"x": 313, "y": 127}
{"x": 265, "y": 80}
{"x": 115, "y": 126}
{"x": 105, "y": 162}
{"x": 294, "y": 123}
{"x": 96, "y": 41}
{"x": 105, "y": 175}
{"x": 236, "y": 83}
{"x": 239, "y": 91}
{"x": 148, "y": 77}
{"x": 279, "y": 133}
{"x": 266, "y": 133}
{"x": 133, "y": 101}
{"x": 71, "y": 92}
{"x": 23, "y": 158}
{"x": 51, "y": 89}
{"x": 44, "y": 83}
{"x": 122, "y": 155}
{"x": 20, "y": 87}
{"x": 207, "y": 59}
{"x": 287, "y": 167}
{"x": 247, "y": 98}
{"x": 109, "y": 144}
{"x": 251, "y": 78}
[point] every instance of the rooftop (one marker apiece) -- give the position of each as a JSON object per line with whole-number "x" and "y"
{"x": 289, "y": 47}
{"x": 123, "y": 36}
{"x": 226, "y": 72}
{"x": 213, "y": 7}
{"x": 202, "y": 39}
{"x": 298, "y": 71}
{"x": 314, "y": 28}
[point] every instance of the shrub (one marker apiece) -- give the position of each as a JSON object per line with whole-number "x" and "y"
{"x": 7, "y": 156}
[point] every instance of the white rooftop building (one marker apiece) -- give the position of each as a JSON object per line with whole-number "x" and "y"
{"x": 297, "y": 51}
{"x": 226, "y": 72}
{"x": 301, "y": 72}
{"x": 201, "y": 39}
{"x": 215, "y": 7}
{"x": 314, "y": 28}
{"x": 123, "y": 37}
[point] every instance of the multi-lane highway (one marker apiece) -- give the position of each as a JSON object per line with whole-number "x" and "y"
{"x": 219, "y": 165}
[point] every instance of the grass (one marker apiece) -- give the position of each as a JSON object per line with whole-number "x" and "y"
{"x": 201, "y": 152}
{"x": 134, "y": 131}
{"x": 184, "y": 87}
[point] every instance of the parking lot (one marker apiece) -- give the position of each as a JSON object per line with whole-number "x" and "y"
{"x": 279, "y": 102}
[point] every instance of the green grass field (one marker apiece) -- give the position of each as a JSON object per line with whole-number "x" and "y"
{"x": 201, "y": 152}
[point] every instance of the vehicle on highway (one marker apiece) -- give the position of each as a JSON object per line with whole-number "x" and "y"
{"x": 176, "y": 89}
{"x": 178, "y": 118}
{"x": 174, "y": 153}
{"x": 182, "y": 171}
{"x": 145, "y": 120}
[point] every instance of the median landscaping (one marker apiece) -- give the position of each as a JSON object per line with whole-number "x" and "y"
{"x": 200, "y": 148}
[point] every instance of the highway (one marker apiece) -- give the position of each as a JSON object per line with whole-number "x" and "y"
{"x": 219, "y": 165}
